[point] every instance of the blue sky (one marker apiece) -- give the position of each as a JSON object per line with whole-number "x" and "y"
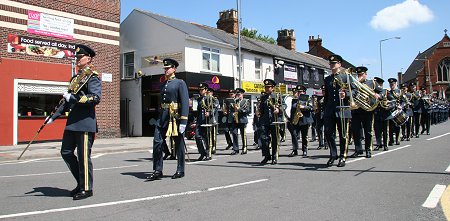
{"x": 351, "y": 28}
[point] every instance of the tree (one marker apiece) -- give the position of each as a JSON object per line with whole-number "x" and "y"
{"x": 253, "y": 33}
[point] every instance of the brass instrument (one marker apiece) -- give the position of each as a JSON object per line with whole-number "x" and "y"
{"x": 364, "y": 96}
{"x": 298, "y": 114}
{"x": 236, "y": 110}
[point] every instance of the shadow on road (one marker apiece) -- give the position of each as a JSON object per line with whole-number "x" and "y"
{"x": 50, "y": 192}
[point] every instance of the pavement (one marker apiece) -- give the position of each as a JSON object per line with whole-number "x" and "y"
{"x": 107, "y": 145}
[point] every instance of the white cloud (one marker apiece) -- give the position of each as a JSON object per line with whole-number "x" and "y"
{"x": 401, "y": 15}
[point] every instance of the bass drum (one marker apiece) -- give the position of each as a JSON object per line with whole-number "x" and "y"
{"x": 287, "y": 105}
{"x": 399, "y": 117}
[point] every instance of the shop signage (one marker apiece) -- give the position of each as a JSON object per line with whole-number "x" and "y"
{"x": 40, "y": 47}
{"x": 290, "y": 73}
{"x": 258, "y": 87}
{"x": 50, "y": 25}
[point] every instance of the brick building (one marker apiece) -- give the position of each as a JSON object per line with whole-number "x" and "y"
{"x": 38, "y": 39}
{"x": 316, "y": 48}
{"x": 431, "y": 67}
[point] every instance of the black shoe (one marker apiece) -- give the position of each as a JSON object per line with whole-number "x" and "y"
{"x": 397, "y": 143}
{"x": 417, "y": 136}
{"x": 213, "y": 152}
{"x": 207, "y": 159}
{"x": 254, "y": 144}
{"x": 428, "y": 133}
{"x": 377, "y": 147}
{"x": 235, "y": 152}
{"x": 265, "y": 160}
{"x": 166, "y": 155}
{"x": 305, "y": 153}
{"x": 421, "y": 132}
{"x": 408, "y": 139}
{"x": 228, "y": 147}
{"x": 156, "y": 175}
{"x": 201, "y": 157}
{"x": 82, "y": 195}
{"x": 355, "y": 155}
{"x": 74, "y": 191}
{"x": 330, "y": 162}
{"x": 178, "y": 175}
{"x": 386, "y": 148}
{"x": 243, "y": 152}
{"x": 341, "y": 163}
{"x": 402, "y": 139}
{"x": 368, "y": 154}
{"x": 294, "y": 153}
{"x": 390, "y": 144}
{"x": 274, "y": 161}
{"x": 319, "y": 147}
{"x": 172, "y": 158}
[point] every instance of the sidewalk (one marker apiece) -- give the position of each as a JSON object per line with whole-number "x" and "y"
{"x": 107, "y": 145}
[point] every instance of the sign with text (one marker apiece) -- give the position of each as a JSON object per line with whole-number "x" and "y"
{"x": 40, "y": 47}
{"x": 290, "y": 73}
{"x": 258, "y": 87}
{"x": 50, "y": 25}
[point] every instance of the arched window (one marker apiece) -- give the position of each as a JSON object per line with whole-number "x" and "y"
{"x": 444, "y": 69}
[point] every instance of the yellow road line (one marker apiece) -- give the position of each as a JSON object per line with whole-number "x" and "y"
{"x": 445, "y": 203}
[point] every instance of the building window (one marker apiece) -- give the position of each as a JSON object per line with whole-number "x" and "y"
{"x": 128, "y": 65}
{"x": 257, "y": 68}
{"x": 211, "y": 59}
{"x": 444, "y": 70}
{"x": 36, "y": 105}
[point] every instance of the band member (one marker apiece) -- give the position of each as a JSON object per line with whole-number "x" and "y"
{"x": 256, "y": 125}
{"x": 380, "y": 123}
{"x": 363, "y": 119}
{"x": 203, "y": 130}
{"x": 426, "y": 111}
{"x": 319, "y": 118}
{"x": 406, "y": 127}
{"x": 300, "y": 120}
{"x": 215, "y": 119}
{"x": 417, "y": 108}
{"x": 240, "y": 110}
{"x": 269, "y": 133}
{"x": 227, "y": 107}
{"x": 173, "y": 116}
{"x": 395, "y": 98}
{"x": 81, "y": 124}
{"x": 334, "y": 114}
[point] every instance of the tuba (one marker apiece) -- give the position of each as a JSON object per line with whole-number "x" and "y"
{"x": 364, "y": 97}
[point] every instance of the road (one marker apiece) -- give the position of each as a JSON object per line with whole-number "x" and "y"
{"x": 392, "y": 185}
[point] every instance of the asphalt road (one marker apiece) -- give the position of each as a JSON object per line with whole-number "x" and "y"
{"x": 392, "y": 185}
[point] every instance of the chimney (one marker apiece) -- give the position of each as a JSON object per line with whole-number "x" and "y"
{"x": 286, "y": 38}
{"x": 228, "y": 21}
{"x": 312, "y": 42}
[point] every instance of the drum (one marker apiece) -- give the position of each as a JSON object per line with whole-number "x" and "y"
{"x": 287, "y": 105}
{"x": 399, "y": 117}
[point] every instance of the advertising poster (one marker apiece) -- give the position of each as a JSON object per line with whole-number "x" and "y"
{"x": 40, "y": 47}
{"x": 50, "y": 25}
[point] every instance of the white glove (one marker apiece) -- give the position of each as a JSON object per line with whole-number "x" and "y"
{"x": 182, "y": 128}
{"x": 67, "y": 96}
{"x": 49, "y": 120}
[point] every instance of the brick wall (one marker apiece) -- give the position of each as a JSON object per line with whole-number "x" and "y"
{"x": 106, "y": 60}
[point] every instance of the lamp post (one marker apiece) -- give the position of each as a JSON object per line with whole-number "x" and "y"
{"x": 428, "y": 69}
{"x": 381, "y": 57}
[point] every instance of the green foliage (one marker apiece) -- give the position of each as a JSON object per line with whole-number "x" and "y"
{"x": 253, "y": 33}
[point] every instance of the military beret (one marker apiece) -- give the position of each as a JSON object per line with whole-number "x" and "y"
{"x": 334, "y": 58}
{"x": 403, "y": 85}
{"x": 210, "y": 89}
{"x": 412, "y": 84}
{"x": 379, "y": 80}
{"x": 84, "y": 50}
{"x": 301, "y": 88}
{"x": 240, "y": 90}
{"x": 203, "y": 86}
{"x": 294, "y": 89}
{"x": 269, "y": 82}
{"x": 361, "y": 69}
{"x": 232, "y": 91}
{"x": 392, "y": 80}
{"x": 169, "y": 62}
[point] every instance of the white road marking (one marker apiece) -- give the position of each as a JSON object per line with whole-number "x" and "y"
{"x": 448, "y": 169}
{"x": 129, "y": 201}
{"x": 201, "y": 161}
{"x": 438, "y": 136}
{"x": 434, "y": 197}
{"x": 377, "y": 154}
{"x": 98, "y": 155}
{"x": 41, "y": 174}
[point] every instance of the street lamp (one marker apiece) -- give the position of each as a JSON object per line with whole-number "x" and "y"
{"x": 381, "y": 58}
{"x": 428, "y": 68}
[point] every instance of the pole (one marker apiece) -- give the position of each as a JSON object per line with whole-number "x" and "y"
{"x": 429, "y": 77}
{"x": 239, "y": 42}
{"x": 381, "y": 62}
